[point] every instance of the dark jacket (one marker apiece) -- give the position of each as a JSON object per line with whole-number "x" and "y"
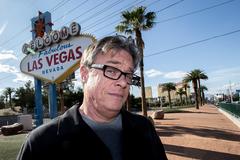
{"x": 69, "y": 137}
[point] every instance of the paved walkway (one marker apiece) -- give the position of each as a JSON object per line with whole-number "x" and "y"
{"x": 204, "y": 134}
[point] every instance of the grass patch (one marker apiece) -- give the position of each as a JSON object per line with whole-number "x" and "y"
{"x": 176, "y": 109}
{"x": 10, "y": 146}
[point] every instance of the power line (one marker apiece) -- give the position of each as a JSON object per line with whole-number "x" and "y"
{"x": 15, "y": 35}
{"x": 101, "y": 11}
{"x": 170, "y": 6}
{"x": 197, "y": 11}
{"x": 109, "y": 6}
{"x": 81, "y": 14}
{"x": 61, "y": 3}
{"x": 117, "y": 20}
{"x": 87, "y": 11}
{"x": 192, "y": 43}
{"x": 112, "y": 32}
{"x": 52, "y": 10}
{"x": 109, "y": 16}
{"x": 194, "y": 12}
{"x": 106, "y": 25}
{"x": 70, "y": 11}
{"x": 58, "y": 5}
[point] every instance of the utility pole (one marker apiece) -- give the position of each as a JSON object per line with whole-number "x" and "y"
{"x": 230, "y": 90}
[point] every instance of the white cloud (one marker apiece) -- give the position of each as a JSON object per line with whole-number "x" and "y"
{"x": 7, "y": 69}
{"x": 226, "y": 70}
{"x": 219, "y": 80}
{"x": 13, "y": 70}
{"x": 229, "y": 86}
{"x": 167, "y": 75}
{"x": 153, "y": 73}
{"x": 4, "y": 54}
{"x": 22, "y": 78}
{"x": 224, "y": 74}
{"x": 3, "y": 27}
{"x": 77, "y": 74}
{"x": 78, "y": 82}
{"x": 175, "y": 74}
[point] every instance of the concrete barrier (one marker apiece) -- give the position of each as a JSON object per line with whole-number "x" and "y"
{"x": 26, "y": 120}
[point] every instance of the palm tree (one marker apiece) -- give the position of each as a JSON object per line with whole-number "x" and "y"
{"x": 134, "y": 22}
{"x": 185, "y": 86}
{"x": 201, "y": 75}
{"x": 2, "y": 105}
{"x": 180, "y": 92}
{"x": 203, "y": 88}
{"x": 24, "y": 96}
{"x": 169, "y": 87}
{"x": 9, "y": 91}
{"x": 193, "y": 77}
{"x": 5, "y": 93}
{"x": 20, "y": 97}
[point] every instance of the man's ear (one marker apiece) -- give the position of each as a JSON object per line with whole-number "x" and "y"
{"x": 83, "y": 73}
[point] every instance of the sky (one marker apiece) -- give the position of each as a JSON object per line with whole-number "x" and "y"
{"x": 188, "y": 35}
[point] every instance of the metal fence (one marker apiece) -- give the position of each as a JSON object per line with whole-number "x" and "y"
{"x": 232, "y": 108}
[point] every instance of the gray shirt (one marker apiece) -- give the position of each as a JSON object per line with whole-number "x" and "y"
{"x": 110, "y": 133}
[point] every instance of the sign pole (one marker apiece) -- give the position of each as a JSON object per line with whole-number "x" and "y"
{"x": 52, "y": 100}
{"x": 38, "y": 102}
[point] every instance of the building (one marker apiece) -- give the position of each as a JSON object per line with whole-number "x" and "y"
{"x": 148, "y": 92}
{"x": 173, "y": 93}
{"x": 149, "y": 97}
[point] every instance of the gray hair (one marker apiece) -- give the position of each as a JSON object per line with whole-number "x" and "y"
{"x": 117, "y": 42}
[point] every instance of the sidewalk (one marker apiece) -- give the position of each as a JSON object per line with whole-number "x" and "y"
{"x": 204, "y": 134}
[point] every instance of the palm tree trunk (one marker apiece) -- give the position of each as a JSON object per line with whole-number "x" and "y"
{"x": 181, "y": 100}
{"x": 196, "y": 94}
{"x": 199, "y": 92}
{"x": 169, "y": 99}
{"x": 196, "y": 97}
{"x": 128, "y": 103}
{"x": 144, "y": 107}
{"x": 10, "y": 101}
{"x": 186, "y": 95}
{"x": 186, "y": 99}
{"x": 61, "y": 99}
{"x": 203, "y": 97}
{"x": 140, "y": 45}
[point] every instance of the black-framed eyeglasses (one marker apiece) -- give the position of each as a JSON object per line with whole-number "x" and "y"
{"x": 114, "y": 73}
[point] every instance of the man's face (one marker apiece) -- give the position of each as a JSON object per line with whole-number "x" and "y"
{"x": 106, "y": 95}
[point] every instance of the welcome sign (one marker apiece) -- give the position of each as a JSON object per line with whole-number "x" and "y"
{"x": 54, "y": 63}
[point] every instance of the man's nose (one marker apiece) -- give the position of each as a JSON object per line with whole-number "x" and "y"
{"x": 122, "y": 81}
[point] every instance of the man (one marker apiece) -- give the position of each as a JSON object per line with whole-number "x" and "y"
{"x": 99, "y": 129}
